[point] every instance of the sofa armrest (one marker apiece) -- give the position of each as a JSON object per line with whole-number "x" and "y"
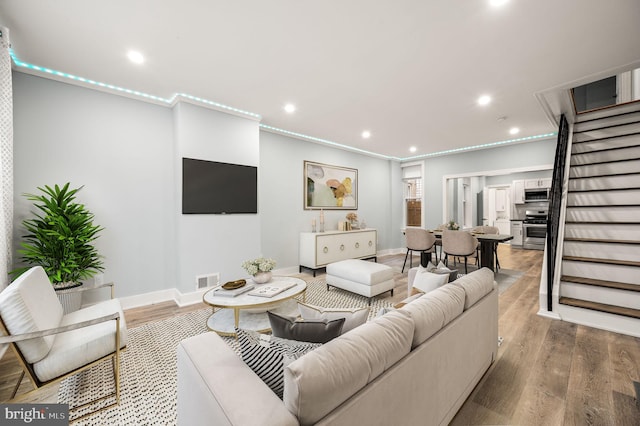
{"x": 215, "y": 387}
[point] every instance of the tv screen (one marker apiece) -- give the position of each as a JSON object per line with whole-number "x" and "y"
{"x": 209, "y": 187}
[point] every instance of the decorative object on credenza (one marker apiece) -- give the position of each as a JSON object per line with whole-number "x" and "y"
{"x": 452, "y": 225}
{"x": 330, "y": 187}
{"x": 321, "y": 221}
{"x": 353, "y": 220}
{"x": 260, "y": 269}
{"x": 313, "y": 225}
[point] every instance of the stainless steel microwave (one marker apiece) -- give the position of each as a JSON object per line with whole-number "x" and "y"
{"x": 536, "y": 195}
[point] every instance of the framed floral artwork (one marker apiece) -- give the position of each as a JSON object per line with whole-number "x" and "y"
{"x": 330, "y": 187}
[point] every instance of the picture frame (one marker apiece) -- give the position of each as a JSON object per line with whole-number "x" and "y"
{"x": 330, "y": 187}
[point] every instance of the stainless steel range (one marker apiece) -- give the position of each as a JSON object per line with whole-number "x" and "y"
{"x": 534, "y": 229}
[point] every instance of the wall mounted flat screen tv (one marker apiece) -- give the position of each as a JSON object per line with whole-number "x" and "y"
{"x": 209, "y": 187}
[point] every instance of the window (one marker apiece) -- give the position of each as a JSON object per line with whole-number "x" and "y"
{"x": 413, "y": 201}
{"x": 412, "y": 181}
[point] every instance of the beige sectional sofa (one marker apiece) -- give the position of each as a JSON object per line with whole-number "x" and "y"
{"x": 412, "y": 366}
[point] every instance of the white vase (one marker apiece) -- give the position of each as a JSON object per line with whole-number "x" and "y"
{"x": 262, "y": 277}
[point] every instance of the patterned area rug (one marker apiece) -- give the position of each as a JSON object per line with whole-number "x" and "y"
{"x": 148, "y": 377}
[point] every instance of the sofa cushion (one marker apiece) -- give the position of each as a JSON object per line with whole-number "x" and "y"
{"x": 313, "y": 331}
{"x": 476, "y": 285}
{"x": 30, "y": 304}
{"x": 450, "y": 298}
{"x": 322, "y": 380}
{"x": 267, "y": 356}
{"x": 353, "y": 317}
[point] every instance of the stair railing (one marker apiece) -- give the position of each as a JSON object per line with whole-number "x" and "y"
{"x": 555, "y": 205}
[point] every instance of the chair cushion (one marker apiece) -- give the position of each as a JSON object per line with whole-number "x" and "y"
{"x": 30, "y": 304}
{"x": 353, "y": 317}
{"x": 313, "y": 331}
{"x": 76, "y": 348}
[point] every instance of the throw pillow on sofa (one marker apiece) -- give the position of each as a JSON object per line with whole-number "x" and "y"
{"x": 427, "y": 281}
{"x": 313, "y": 331}
{"x": 267, "y": 356}
{"x": 353, "y": 317}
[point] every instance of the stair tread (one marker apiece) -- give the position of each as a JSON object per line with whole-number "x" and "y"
{"x": 606, "y": 261}
{"x": 604, "y": 175}
{"x": 599, "y": 163}
{"x": 601, "y": 283}
{"x": 602, "y": 307}
{"x": 601, "y": 240}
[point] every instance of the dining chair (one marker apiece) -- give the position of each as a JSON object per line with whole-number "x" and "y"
{"x": 487, "y": 230}
{"x": 420, "y": 240}
{"x": 51, "y": 345}
{"x": 458, "y": 244}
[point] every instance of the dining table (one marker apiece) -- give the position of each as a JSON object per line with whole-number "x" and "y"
{"x": 488, "y": 244}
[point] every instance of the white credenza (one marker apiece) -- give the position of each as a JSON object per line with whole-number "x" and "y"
{"x": 318, "y": 249}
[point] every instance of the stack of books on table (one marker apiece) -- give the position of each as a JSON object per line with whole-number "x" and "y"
{"x": 270, "y": 290}
{"x": 235, "y": 292}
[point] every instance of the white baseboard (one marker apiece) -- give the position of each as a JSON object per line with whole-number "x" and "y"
{"x": 173, "y": 294}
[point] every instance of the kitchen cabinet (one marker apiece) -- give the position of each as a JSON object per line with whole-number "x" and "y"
{"x": 537, "y": 183}
{"x": 317, "y": 250}
{"x": 517, "y": 188}
{"x": 503, "y": 225}
{"x": 516, "y": 231}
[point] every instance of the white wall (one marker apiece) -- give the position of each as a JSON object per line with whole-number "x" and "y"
{"x": 121, "y": 150}
{"x": 214, "y": 243}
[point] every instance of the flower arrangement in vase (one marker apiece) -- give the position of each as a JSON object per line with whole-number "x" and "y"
{"x": 353, "y": 220}
{"x": 453, "y": 225}
{"x": 260, "y": 269}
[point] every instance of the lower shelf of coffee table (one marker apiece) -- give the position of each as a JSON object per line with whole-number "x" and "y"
{"x": 222, "y": 320}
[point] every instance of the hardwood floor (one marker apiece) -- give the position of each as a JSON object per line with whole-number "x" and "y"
{"x": 547, "y": 372}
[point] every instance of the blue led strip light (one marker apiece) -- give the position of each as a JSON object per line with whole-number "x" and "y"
{"x": 22, "y": 64}
{"x": 217, "y": 105}
{"x": 481, "y": 146}
{"x": 324, "y": 141}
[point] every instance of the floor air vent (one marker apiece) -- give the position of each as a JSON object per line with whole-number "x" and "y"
{"x": 206, "y": 281}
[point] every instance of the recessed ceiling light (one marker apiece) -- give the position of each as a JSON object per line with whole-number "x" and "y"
{"x": 484, "y": 100}
{"x": 290, "y": 108}
{"x": 413, "y": 149}
{"x": 366, "y": 134}
{"x": 135, "y": 57}
{"x": 514, "y": 130}
{"x": 497, "y": 3}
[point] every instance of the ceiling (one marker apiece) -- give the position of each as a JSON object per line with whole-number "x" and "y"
{"x": 409, "y": 71}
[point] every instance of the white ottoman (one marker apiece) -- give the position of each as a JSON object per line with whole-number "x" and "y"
{"x": 361, "y": 277}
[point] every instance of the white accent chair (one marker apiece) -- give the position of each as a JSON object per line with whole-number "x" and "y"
{"x": 458, "y": 244}
{"x": 52, "y": 346}
{"x": 420, "y": 240}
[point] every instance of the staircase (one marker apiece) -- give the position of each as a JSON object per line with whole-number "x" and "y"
{"x": 600, "y": 280}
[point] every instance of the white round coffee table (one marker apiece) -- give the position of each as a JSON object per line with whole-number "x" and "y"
{"x": 249, "y": 312}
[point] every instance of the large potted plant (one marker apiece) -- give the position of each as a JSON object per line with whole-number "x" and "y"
{"x": 60, "y": 239}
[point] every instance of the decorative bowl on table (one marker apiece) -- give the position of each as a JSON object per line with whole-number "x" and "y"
{"x": 232, "y": 285}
